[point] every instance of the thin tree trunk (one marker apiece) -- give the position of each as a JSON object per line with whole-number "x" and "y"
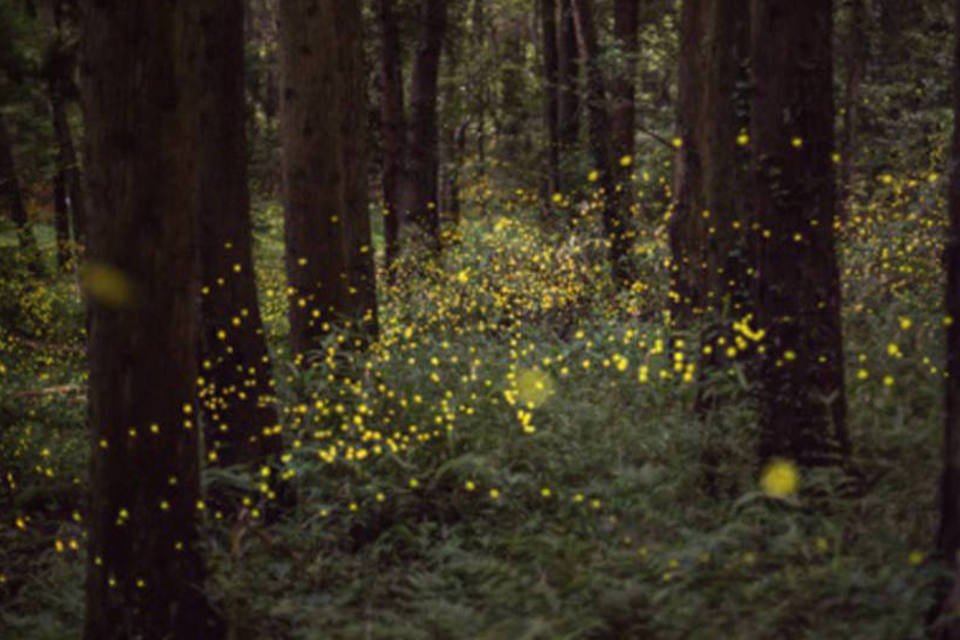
{"x": 568, "y": 104}
{"x": 551, "y": 100}
{"x": 626, "y": 23}
{"x": 614, "y": 223}
{"x": 145, "y": 573}
{"x": 361, "y": 283}
{"x": 948, "y": 539}
{"x": 12, "y": 195}
{"x": 241, "y": 418}
{"x": 422, "y": 137}
{"x": 857, "y": 51}
{"x": 392, "y": 127}
{"x": 802, "y": 404}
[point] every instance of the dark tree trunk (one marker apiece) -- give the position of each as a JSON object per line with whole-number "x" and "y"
{"x": 568, "y": 99}
{"x": 601, "y": 143}
{"x": 237, "y": 397}
{"x": 856, "y": 51}
{"x": 801, "y": 386}
{"x": 948, "y": 539}
{"x": 422, "y": 137}
{"x": 710, "y": 227}
{"x": 327, "y": 225}
{"x": 551, "y": 100}
{"x": 626, "y": 21}
{"x": 58, "y": 69}
{"x": 361, "y": 303}
{"x": 392, "y": 127}
{"x": 12, "y": 196}
{"x": 145, "y": 573}
{"x": 61, "y": 218}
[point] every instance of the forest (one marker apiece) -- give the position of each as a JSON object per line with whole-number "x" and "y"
{"x": 479, "y": 319}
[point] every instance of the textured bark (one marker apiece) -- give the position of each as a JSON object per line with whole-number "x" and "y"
{"x": 145, "y": 572}
{"x": 12, "y": 198}
{"x": 551, "y": 99}
{"x": 710, "y": 230}
{"x": 626, "y": 21}
{"x": 59, "y": 66}
{"x": 327, "y": 229}
{"x": 801, "y": 387}
{"x": 948, "y": 539}
{"x": 352, "y": 77}
{"x": 614, "y": 221}
{"x": 568, "y": 69}
{"x": 392, "y": 126}
{"x": 856, "y": 51}
{"x": 241, "y": 418}
{"x": 421, "y": 190}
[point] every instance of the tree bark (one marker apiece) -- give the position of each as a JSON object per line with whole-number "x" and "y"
{"x": 352, "y": 78}
{"x": 710, "y": 230}
{"x": 327, "y": 229}
{"x": 568, "y": 101}
{"x": 551, "y": 100}
{"x": 626, "y": 22}
{"x": 145, "y": 573}
{"x": 614, "y": 222}
{"x": 12, "y": 195}
{"x": 423, "y": 137}
{"x": 392, "y": 127}
{"x": 948, "y": 538}
{"x": 801, "y": 386}
{"x": 856, "y": 53}
{"x": 237, "y": 398}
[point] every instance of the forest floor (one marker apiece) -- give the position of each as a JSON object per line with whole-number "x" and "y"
{"x": 517, "y": 457}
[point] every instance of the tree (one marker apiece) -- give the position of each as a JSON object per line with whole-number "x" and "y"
{"x": 948, "y": 538}
{"x": 800, "y": 377}
{"x": 12, "y": 195}
{"x": 144, "y": 573}
{"x": 420, "y": 190}
{"x": 551, "y": 97}
{"x": 626, "y": 21}
{"x": 568, "y": 103}
{"x": 58, "y": 70}
{"x": 710, "y": 229}
{"x": 615, "y": 223}
{"x": 856, "y": 51}
{"x": 327, "y": 239}
{"x": 241, "y": 420}
{"x": 392, "y": 126}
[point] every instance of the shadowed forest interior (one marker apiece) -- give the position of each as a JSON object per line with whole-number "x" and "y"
{"x": 486, "y": 319}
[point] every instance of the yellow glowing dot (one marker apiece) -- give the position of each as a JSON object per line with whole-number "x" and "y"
{"x": 593, "y": 176}
{"x": 888, "y": 381}
{"x": 916, "y": 558}
{"x": 494, "y": 494}
{"x": 469, "y": 485}
{"x": 780, "y": 479}
{"x": 796, "y": 142}
{"x": 626, "y": 161}
{"x": 545, "y": 492}
{"x": 743, "y": 139}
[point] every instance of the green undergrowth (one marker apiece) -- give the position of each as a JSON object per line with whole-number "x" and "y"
{"x": 516, "y": 457}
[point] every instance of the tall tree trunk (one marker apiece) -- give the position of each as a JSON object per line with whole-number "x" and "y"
{"x": 856, "y": 51}
{"x": 801, "y": 386}
{"x": 551, "y": 100}
{"x": 241, "y": 420}
{"x": 422, "y": 137}
{"x": 352, "y": 77}
{"x": 12, "y": 197}
{"x": 601, "y": 143}
{"x": 392, "y": 127}
{"x": 568, "y": 102}
{"x": 327, "y": 228}
{"x": 59, "y": 67}
{"x": 948, "y": 539}
{"x": 145, "y": 573}
{"x": 626, "y": 22}
{"x": 710, "y": 227}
